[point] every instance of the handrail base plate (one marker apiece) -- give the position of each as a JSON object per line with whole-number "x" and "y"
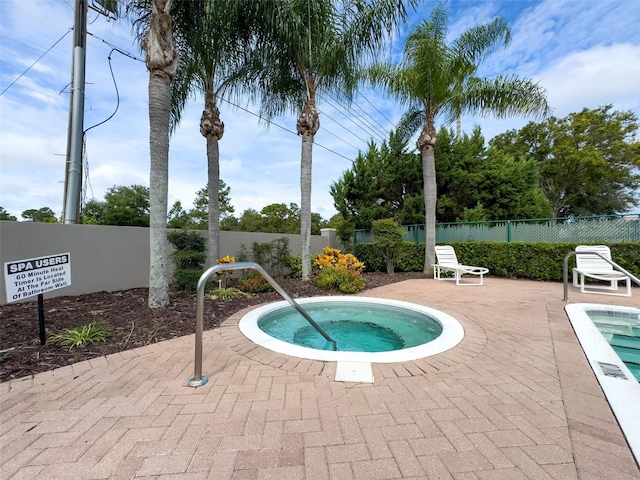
{"x": 197, "y": 383}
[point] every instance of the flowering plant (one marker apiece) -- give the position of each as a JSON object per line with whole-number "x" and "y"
{"x": 254, "y": 283}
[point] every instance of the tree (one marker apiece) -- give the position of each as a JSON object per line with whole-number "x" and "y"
{"x": 178, "y": 217}
{"x": 44, "y": 214}
{"x": 200, "y": 212}
{"x": 4, "y": 215}
{"x": 387, "y": 237}
{"x": 311, "y": 47}
{"x": 476, "y": 183}
{"x": 588, "y": 161}
{"x": 384, "y": 182}
{"x": 274, "y": 218}
{"x": 280, "y": 218}
{"x": 436, "y": 79}
{"x": 127, "y": 206}
{"x": 158, "y": 42}
{"x": 214, "y": 38}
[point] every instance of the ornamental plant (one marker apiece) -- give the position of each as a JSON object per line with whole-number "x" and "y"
{"x": 222, "y": 274}
{"x": 338, "y": 270}
{"x": 79, "y": 337}
{"x": 347, "y": 281}
{"x": 188, "y": 258}
{"x": 387, "y": 238}
{"x": 333, "y": 258}
{"x": 254, "y": 283}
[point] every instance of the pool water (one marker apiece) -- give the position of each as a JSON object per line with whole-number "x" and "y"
{"x": 622, "y": 331}
{"x": 356, "y": 327}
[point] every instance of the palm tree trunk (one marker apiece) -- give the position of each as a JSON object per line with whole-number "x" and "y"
{"x": 426, "y": 144}
{"x": 161, "y": 60}
{"x": 308, "y": 124}
{"x": 213, "y": 129}
{"x": 305, "y": 207}
{"x": 213, "y": 171}
{"x": 159, "y": 99}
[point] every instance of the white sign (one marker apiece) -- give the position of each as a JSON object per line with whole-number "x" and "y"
{"x": 33, "y": 276}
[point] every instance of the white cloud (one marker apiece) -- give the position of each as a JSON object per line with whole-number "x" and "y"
{"x": 595, "y": 77}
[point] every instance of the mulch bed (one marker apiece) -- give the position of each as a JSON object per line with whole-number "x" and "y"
{"x": 131, "y": 322}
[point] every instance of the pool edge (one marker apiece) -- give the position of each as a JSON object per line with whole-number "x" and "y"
{"x": 452, "y": 334}
{"x": 620, "y": 394}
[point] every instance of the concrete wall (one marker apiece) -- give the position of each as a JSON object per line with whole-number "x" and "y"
{"x": 106, "y": 257}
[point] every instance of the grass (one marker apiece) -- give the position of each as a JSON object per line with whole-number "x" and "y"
{"x": 87, "y": 334}
{"x": 227, "y": 293}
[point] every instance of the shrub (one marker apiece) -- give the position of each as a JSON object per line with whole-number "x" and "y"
{"x": 254, "y": 283}
{"x": 347, "y": 281}
{"x": 295, "y": 266}
{"x": 350, "y": 281}
{"x": 186, "y": 280}
{"x": 387, "y": 238}
{"x": 273, "y": 257}
{"x": 333, "y": 258}
{"x": 533, "y": 261}
{"x": 188, "y": 259}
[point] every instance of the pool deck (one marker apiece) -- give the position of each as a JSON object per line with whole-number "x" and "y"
{"x": 516, "y": 399}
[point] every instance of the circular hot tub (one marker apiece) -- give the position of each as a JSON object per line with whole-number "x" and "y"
{"x": 365, "y": 329}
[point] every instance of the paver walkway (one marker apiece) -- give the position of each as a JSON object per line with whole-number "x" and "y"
{"x": 515, "y": 400}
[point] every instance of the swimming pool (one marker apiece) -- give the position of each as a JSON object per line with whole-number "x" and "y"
{"x": 622, "y": 331}
{"x": 618, "y": 383}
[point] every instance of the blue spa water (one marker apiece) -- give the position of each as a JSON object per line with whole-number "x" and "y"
{"x": 356, "y": 327}
{"x": 622, "y": 331}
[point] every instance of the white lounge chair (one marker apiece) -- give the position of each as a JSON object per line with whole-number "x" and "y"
{"x": 593, "y": 266}
{"x": 447, "y": 261}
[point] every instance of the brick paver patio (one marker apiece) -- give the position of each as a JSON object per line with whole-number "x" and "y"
{"x": 516, "y": 399}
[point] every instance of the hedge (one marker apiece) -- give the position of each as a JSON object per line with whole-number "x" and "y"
{"x": 532, "y": 261}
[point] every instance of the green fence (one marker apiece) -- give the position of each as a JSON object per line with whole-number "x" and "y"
{"x": 597, "y": 229}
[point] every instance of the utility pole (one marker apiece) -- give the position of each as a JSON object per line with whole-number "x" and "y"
{"x": 73, "y": 170}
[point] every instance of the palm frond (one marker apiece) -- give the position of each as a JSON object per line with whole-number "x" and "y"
{"x": 370, "y": 24}
{"x": 410, "y": 123}
{"x": 504, "y": 96}
{"x": 480, "y": 41}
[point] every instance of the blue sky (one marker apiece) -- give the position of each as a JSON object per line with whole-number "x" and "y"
{"x": 584, "y": 53}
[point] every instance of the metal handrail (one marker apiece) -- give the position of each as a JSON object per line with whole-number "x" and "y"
{"x": 198, "y": 379}
{"x": 608, "y": 260}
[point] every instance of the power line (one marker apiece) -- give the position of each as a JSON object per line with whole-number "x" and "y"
{"x": 283, "y": 128}
{"x": 115, "y": 85}
{"x": 381, "y": 130}
{"x": 39, "y": 58}
{"x": 334, "y": 120}
{"x": 382, "y": 114}
{"x": 364, "y": 125}
{"x": 116, "y": 48}
{"x": 324, "y": 129}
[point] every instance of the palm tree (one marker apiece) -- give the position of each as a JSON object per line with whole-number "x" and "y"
{"x": 437, "y": 79}
{"x": 313, "y": 46}
{"x": 154, "y": 22}
{"x": 214, "y": 37}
